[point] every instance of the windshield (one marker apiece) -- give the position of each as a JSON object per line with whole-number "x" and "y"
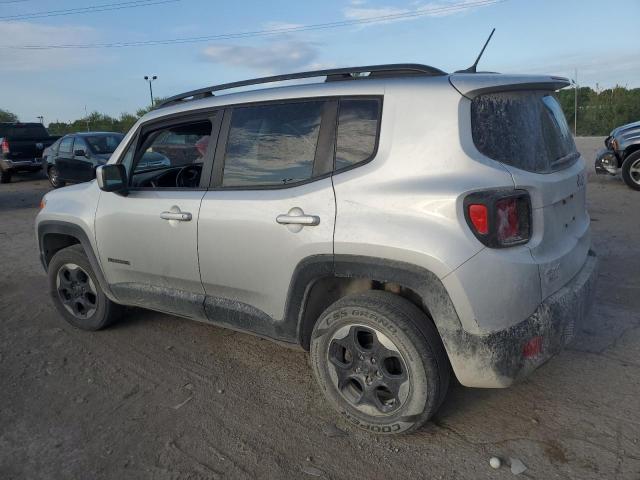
{"x": 525, "y": 129}
{"x": 102, "y": 144}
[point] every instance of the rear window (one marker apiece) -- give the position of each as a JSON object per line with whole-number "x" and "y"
{"x": 25, "y": 132}
{"x": 524, "y": 129}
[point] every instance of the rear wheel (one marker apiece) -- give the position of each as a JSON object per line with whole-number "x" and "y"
{"x": 5, "y": 176}
{"x": 76, "y": 293}
{"x": 631, "y": 170}
{"x": 380, "y": 362}
{"x": 54, "y": 177}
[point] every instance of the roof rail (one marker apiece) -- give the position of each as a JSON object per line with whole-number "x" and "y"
{"x": 334, "y": 74}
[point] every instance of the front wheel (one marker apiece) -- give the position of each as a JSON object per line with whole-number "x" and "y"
{"x": 631, "y": 170}
{"x": 380, "y": 362}
{"x": 76, "y": 292}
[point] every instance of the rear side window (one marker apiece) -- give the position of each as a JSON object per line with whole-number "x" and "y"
{"x": 272, "y": 144}
{"x": 66, "y": 144}
{"x": 524, "y": 129}
{"x": 357, "y": 131}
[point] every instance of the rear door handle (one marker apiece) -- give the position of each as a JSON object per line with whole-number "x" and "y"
{"x": 296, "y": 216}
{"x": 179, "y": 216}
{"x": 309, "y": 220}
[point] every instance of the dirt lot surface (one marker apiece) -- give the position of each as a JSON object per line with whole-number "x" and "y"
{"x": 159, "y": 397}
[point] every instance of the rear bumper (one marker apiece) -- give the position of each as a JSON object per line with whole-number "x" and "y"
{"x": 31, "y": 164}
{"x": 496, "y": 360}
{"x": 606, "y": 162}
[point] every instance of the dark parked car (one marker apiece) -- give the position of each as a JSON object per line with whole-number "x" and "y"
{"x": 75, "y": 156}
{"x": 21, "y": 147}
{"x": 622, "y": 154}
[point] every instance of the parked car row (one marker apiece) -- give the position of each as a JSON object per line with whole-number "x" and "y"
{"x": 622, "y": 154}
{"x": 21, "y": 148}
{"x": 75, "y": 157}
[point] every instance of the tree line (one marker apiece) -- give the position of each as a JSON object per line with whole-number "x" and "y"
{"x": 599, "y": 112}
{"x": 95, "y": 121}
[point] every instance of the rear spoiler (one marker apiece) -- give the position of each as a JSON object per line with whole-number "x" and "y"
{"x": 471, "y": 85}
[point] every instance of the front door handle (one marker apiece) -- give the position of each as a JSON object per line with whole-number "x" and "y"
{"x": 179, "y": 216}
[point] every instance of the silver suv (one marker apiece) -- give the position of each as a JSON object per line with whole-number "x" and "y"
{"x": 398, "y": 222}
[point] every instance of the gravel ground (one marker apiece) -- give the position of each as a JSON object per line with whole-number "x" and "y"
{"x": 160, "y": 397}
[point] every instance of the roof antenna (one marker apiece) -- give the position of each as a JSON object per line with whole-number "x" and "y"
{"x": 472, "y": 68}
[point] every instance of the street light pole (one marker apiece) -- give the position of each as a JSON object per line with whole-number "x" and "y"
{"x": 150, "y": 79}
{"x": 41, "y": 118}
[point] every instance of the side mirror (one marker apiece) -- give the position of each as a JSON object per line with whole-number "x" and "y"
{"x": 112, "y": 178}
{"x": 80, "y": 153}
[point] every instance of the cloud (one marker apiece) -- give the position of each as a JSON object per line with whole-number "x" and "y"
{"x": 26, "y": 33}
{"x": 420, "y": 9}
{"x": 272, "y": 57}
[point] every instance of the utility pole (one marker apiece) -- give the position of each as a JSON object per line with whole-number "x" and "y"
{"x": 151, "y": 79}
{"x": 575, "y": 104}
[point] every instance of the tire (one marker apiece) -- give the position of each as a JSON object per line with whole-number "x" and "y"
{"x": 5, "y": 176}
{"x": 631, "y": 170}
{"x": 76, "y": 292}
{"x": 380, "y": 362}
{"x": 54, "y": 177}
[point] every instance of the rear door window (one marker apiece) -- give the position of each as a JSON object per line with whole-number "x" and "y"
{"x": 271, "y": 145}
{"x": 524, "y": 129}
{"x": 358, "y": 121}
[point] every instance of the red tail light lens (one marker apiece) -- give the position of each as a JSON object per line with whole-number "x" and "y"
{"x": 501, "y": 218}
{"x": 479, "y": 216}
{"x": 4, "y": 146}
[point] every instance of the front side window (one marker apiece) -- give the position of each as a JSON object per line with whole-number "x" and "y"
{"x": 170, "y": 157}
{"x": 272, "y": 145}
{"x": 357, "y": 131}
{"x": 66, "y": 145}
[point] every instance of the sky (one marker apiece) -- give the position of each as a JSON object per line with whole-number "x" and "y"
{"x": 532, "y": 36}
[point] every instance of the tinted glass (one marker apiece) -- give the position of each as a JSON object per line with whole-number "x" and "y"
{"x": 272, "y": 144}
{"x": 524, "y": 129}
{"x": 357, "y": 131}
{"x": 66, "y": 144}
{"x": 104, "y": 144}
{"x": 24, "y": 132}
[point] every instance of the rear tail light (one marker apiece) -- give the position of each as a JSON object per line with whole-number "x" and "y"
{"x": 4, "y": 146}
{"x": 499, "y": 219}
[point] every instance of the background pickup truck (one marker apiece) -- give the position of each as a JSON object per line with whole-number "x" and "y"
{"x": 21, "y": 147}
